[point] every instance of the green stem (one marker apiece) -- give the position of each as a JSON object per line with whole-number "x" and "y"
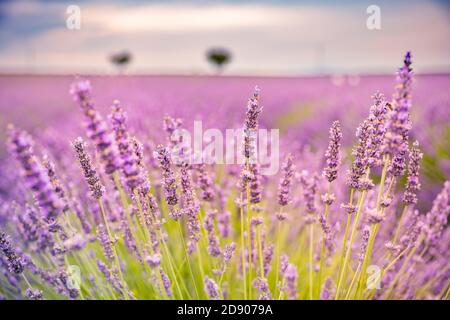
{"x": 367, "y": 257}
{"x": 260, "y": 252}
{"x": 344, "y": 244}
{"x": 243, "y": 251}
{"x": 311, "y": 259}
{"x": 447, "y": 294}
{"x": 116, "y": 257}
{"x": 399, "y": 224}
{"x": 277, "y": 255}
{"x": 249, "y": 245}
{"x": 322, "y": 247}
{"x": 187, "y": 259}
{"x": 352, "y": 282}
{"x": 349, "y": 247}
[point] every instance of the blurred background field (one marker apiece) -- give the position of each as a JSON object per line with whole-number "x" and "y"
{"x": 301, "y": 107}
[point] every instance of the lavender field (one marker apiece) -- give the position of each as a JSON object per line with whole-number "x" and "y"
{"x": 93, "y": 205}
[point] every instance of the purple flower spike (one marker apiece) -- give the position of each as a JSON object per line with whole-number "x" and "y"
{"x": 15, "y": 264}
{"x": 309, "y": 185}
{"x": 97, "y": 129}
{"x": 213, "y": 241}
{"x": 284, "y": 188}
{"x": 205, "y": 183}
{"x": 211, "y": 289}
{"x": 332, "y": 154}
{"x": 356, "y": 174}
{"x": 399, "y": 124}
{"x": 377, "y": 120}
{"x": 251, "y": 124}
{"x": 436, "y": 219}
{"x": 413, "y": 184}
{"x": 129, "y": 164}
{"x": 91, "y": 176}
{"x": 107, "y": 244}
{"x": 34, "y": 173}
{"x": 291, "y": 281}
{"x": 169, "y": 182}
{"x": 364, "y": 240}
{"x": 327, "y": 290}
{"x": 34, "y": 294}
{"x": 263, "y": 288}
{"x": 190, "y": 208}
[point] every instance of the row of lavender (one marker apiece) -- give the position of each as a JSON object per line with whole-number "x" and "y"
{"x": 135, "y": 225}
{"x": 303, "y": 109}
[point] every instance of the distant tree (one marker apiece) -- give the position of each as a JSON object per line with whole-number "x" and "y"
{"x": 219, "y": 57}
{"x": 121, "y": 60}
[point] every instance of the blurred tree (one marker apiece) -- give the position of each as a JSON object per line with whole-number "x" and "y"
{"x": 218, "y": 57}
{"x": 121, "y": 60}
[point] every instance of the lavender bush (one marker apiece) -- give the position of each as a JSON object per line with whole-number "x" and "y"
{"x": 112, "y": 215}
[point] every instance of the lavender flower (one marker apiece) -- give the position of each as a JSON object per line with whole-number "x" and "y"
{"x": 398, "y": 124}
{"x": 332, "y": 154}
{"x": 356, "y": 175}
{"x": 97, "y": 129}
{"x": 110, "y": 276}
{"x": 190, "y": 208}
{"x": 153, "y": 260}
{"x": 364, "y": 241}
{"x": 129, "y": 239}
{"x": 413, "y": 184}
{"x": 377, "y": 120}
{"x": 327, "y": 292}
{"x": 398, "y": 164}
{"x": 255, "y": 184}
{"x": 106, "y": 242}
{"x": 436, "y": 219}
{"x": 211, "y": 289}
{"x": 14, "y": 262}
{"x": 228, "y": 252}
{"x": 223, "y": 219}
{"x": 251, "y": 125}
{"x": 34, "y": 173}
{"x": 349, "y": 208}
{"x": 268, "y": 255}
{"x": 291, "y": 281}
{"x": 374, "y": 216}
{"x": 205, "y": 183}
{"x": 81, "y": 217}
{"x": 56, "y": 183}
{"x": 168, "y": 181}
{"x": 284, "y": 188}
{"x": 309, "y": 185}
{"x": 263, "y": 288}
{"x": 213, "y": 241}
{"x": 34, "y": 294}
{"x": 254, "y": 223}
{"x": 171, "y": 125}
{"x": 327, "y": 233}
{"x": 129, "y": 165}
{"x": 91, "y": 176}
{"x": 166, "y": 282}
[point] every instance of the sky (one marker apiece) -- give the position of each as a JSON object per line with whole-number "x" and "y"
{"x": 284, "y": 37}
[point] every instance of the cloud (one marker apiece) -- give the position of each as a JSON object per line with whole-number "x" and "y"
{"x": 264, "y": 38}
